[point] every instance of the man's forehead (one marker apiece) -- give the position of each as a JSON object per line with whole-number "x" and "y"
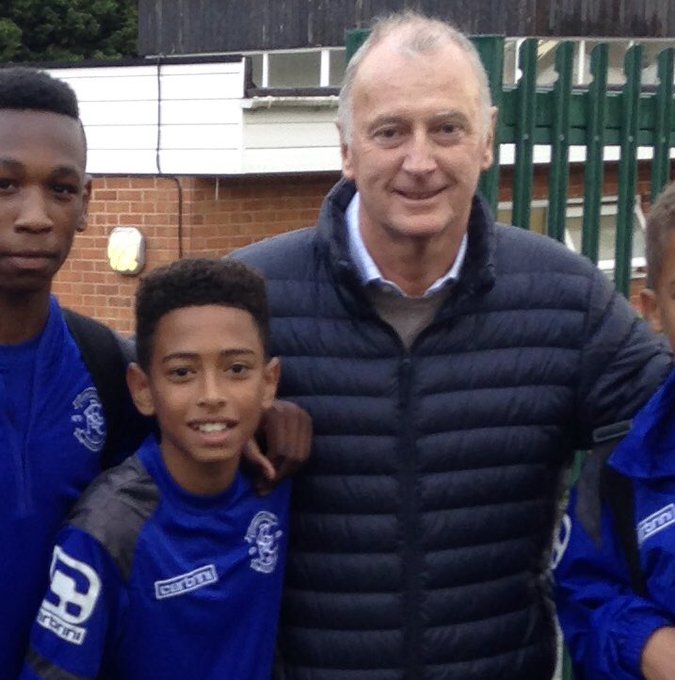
{"x": 389, "y": 53}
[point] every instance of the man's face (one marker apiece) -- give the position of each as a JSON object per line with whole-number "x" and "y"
{"x": 208, "y": 384}
{"x": 658, "y": 305}
{"x": 44, "y": 195}
{"x": 418, "y": 143}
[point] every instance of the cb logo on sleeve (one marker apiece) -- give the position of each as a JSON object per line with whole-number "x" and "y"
{"x": 72, "y": 595}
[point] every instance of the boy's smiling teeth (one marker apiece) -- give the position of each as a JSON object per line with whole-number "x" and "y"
{"x": 211, "y": 427}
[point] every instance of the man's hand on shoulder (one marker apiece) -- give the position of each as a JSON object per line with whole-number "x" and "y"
{"x": 286, "y": 430}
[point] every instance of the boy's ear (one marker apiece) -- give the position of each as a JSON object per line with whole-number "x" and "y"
{"x": 86, "y": 197}
{"x": 650, "y": 309}
{"x": 139, "y": 387}
{"x": 271, "y": 375}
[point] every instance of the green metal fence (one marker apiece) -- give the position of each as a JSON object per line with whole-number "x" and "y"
{"x": 594, "y": 117}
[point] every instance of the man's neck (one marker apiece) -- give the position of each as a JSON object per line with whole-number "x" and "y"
{"x": 22, "y": 316}
{"x": 414, "y": 265}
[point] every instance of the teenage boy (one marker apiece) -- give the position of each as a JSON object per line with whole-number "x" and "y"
{"x": 54, "y": 429}
{"x": 615, "y": 568}
{"x": 57, "y": 430}
{"x": 171, "y": 565}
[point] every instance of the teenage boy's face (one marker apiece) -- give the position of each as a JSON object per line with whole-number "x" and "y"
{"x": 44, "y": 195}
{"x": 208, "y": 384}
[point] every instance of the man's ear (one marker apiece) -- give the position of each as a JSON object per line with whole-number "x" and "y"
{"x": 139, "y": 387}
{"x": 346, "y": 155}
{"x": 488, "y": 148}
{"x": 86, "y": 197}
{"x": 271, "y": 375}
{"x": 650, "y": 309}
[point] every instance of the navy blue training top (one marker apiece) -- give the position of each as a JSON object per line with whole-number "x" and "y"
{"x": 150, "y": 581}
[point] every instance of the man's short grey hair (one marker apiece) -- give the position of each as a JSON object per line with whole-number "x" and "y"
{"x": 417, "y": 34}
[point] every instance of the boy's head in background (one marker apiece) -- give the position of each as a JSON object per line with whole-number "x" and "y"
{"x": 658, "y": 298}
{"x": 203, "y": 370}
{"x": 44, "y": 190}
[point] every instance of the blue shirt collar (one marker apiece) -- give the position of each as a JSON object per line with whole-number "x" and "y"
{"x": 367, "y": 269}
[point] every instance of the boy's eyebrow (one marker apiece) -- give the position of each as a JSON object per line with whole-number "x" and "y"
{"x": 12, "y": 164}
{"x": 233, "y": 351}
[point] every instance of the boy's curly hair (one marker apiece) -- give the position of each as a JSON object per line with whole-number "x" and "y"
{"x": 195, "y": 282}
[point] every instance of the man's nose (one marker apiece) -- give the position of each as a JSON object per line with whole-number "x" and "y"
{"x": 419, "y": 158}
{"x": 34, "y": 214}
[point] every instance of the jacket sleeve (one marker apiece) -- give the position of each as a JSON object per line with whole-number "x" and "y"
{"x": 605, "y": 624}
{"x": 78, "y": 613}
{"x": 622, "y": 361}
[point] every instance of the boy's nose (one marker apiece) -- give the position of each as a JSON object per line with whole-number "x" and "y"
{"x": 33, "y": 213}
{"x": 211, "y": 392}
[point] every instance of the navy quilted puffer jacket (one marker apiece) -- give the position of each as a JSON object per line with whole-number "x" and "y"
{"x": 421, "y": 525}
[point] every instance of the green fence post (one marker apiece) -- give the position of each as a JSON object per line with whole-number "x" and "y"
{"x": 630, "y": 100}
{"x": 558, "y": 180}
{"x": 594, "y": 170}
{"x": 525, "y": 125}
{"x": 663, "y": 122}
{"x": 491, "y": 51}
{"x": 355, "y": 37}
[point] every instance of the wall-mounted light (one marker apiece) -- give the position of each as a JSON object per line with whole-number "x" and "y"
{"x": 126, "y": 250}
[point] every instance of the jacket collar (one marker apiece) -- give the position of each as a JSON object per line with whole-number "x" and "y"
{"x": 648, "y": 450}
{"x": 478, "y": 270}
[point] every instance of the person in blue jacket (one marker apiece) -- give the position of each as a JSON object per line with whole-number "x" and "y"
{"x": 616, "y": 624}
{"x": 53, "y": 427}
{"x": 171, "y": 565}
{"x": 56, "y": 431}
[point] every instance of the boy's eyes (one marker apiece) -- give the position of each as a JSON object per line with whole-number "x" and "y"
{"x": 239, "y": 370}
{"x": 62, "y": 190}
{"x": 236, "y": 370}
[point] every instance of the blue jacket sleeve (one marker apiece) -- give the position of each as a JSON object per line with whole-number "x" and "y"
{"x": 605, "y": 624}
{"x": 76, "y": 619}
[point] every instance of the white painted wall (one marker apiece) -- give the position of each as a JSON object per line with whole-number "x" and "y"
{"x": 197, "y": 129}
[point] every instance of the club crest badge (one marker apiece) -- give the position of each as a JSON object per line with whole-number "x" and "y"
{"x": 88, "y": 420}
{"x": 264, "y": 535}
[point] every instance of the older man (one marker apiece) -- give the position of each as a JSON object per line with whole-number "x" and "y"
{"x": 451, "y": 365}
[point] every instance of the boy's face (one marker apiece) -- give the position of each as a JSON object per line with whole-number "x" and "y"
{"x": 44, "y": 195}
{"x": 208, "y": 384}
{"x": 658, "y": 305}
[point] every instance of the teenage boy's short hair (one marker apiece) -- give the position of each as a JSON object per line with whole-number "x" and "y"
{"x": 34, "y": 90}
{"x": 193, "y": 283}
{"x": 660, "y": 223}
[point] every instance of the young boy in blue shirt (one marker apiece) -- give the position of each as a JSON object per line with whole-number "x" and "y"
{"x": 170, "y": 565}
{"x": 615, "y": 562}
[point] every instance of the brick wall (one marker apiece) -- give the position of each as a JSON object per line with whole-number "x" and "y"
{"x": 200, "y": 216}
{"x": 189, "y": 215}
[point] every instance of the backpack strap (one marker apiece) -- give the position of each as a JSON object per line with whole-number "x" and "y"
{"x": 618, "y": 490}
{"x": 599, "y": 483}
{"x": 106, "y": 356}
